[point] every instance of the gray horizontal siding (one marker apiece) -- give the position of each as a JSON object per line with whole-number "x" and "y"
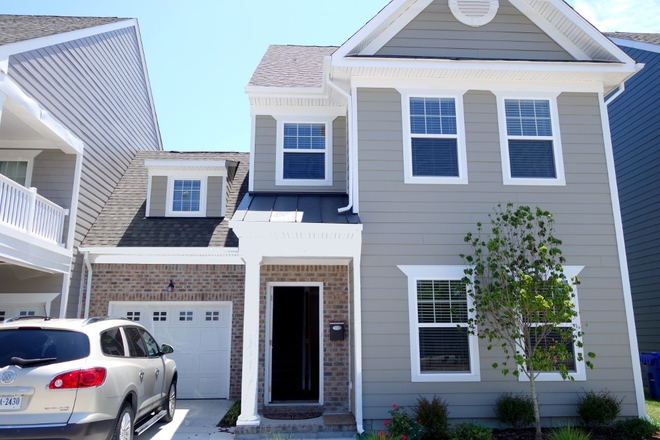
{"x": 436, "y": 33}
{"x": 95, "y": 87}
{"x": 425, "y": 225}
{"x": 636, "y": 140}
{"x": 265, "y": 150}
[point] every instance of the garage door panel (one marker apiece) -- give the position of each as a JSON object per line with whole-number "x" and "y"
{"x": 200, "y": 334}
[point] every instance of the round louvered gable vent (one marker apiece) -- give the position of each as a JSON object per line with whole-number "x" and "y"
{"x": 474, "y": 12}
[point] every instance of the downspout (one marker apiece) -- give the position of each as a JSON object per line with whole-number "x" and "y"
{"x": 351, "y": 131}
{"x": 88, "y": 298}
{"x": 71, "y": 234}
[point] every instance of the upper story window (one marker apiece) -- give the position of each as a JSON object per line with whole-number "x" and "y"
{"x": 531, "y": 145}
{"x": 434, "y": 139}
{"x": 304, "y": 152}
{"x": 439, "y": 307}
{"x": 186, "y": 188}
{"x": 17, "y": 165}
{"x": 186, "y": 195}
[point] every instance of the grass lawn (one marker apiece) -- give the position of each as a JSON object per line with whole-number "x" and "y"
{"x": 653, "y": 410}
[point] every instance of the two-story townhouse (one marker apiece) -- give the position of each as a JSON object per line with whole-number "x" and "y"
{"x": 75, "y": 105}
{"x": 161, "y": 253}
{"x": 369, "y": 164}
{"x": 636, "y": 142}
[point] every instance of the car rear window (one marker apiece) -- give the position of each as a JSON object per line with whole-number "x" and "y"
{"x": 31, "y": 343}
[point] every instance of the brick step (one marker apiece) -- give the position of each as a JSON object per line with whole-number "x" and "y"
{"x": 327, "y": 426}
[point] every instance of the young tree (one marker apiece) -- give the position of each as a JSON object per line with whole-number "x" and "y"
{"x": 521, "y": 299}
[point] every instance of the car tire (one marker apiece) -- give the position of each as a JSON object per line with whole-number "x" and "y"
{"x": 125, "y": 425}
{"x": 170, "y": 403}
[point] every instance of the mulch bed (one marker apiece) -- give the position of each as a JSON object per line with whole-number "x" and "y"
{"x": 529, "y": 434}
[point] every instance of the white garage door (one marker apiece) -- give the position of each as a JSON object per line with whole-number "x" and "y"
{"x": 200, "y": 333}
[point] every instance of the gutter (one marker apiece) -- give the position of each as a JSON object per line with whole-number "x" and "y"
{"x": 622, "y": 88}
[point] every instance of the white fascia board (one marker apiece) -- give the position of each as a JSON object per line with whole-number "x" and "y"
{"x": 20, "y": 102}
{"x": 296, "y": 92}
{"x": 36, "y": 43}
{"x": 641, "y": 45}
{"x": 589, "y": 30}
{"x": 295, "y": 111}
{"x": 433, "y": 84}
{"x": 373, "y": 25}
{"x": 210, "y": 167}
{"x": 162, "y": 255}
{"x": 147, "y": 81}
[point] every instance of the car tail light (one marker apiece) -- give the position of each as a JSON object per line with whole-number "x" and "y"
{"x": 91, "y": 377}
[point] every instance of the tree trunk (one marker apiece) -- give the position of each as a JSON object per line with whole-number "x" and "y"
{"x": 535, "y": 401}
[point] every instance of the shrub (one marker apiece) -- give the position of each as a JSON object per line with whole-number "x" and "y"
{"x": 403, "y": 425}
{"x": 598, "y": 409}
{"x": 516, "y": 410}
{"x": 471, "y": 431}
{"x": 230, "y": 418}
{"x": 635, "y": 429}
{"x": 433, "y": 417}
{"x": 569, "y": 433}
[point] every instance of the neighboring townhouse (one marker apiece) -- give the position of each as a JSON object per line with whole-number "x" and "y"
{"x": 636, "y": 140}
{"x": 371, "y": 161}
{"x": 161, "y": 253}
{"x": 75, "y": 105}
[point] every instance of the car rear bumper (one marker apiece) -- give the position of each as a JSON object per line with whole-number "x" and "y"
{"x": 85, "y": 431}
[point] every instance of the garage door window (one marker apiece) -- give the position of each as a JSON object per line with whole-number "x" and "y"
{"x": 160, "y": 316}
{"x": 213, "y": 316}
{"x": 133, "y": 316}
{"x": 185, "y": 316}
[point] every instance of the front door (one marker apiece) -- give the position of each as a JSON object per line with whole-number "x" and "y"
{"x": 295, "y": 350}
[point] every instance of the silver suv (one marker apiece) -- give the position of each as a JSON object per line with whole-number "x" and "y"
{"x": 100, "y": 378}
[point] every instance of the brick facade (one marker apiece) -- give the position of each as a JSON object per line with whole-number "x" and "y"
{"x": 148, "y": 282}
{"x": 336, "y": 360}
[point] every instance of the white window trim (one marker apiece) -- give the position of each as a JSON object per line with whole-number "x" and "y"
{"x": 451, "y": 273}
{"x": 580, "y": 373}
{"x": 279, "y": 159}
{"x": 203, "y": 178}
{"x": 461, "y": 149}
{"x": 557, "y": 149}
{"x": 21, "y": 156}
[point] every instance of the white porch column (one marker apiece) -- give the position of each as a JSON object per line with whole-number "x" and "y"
{"x": 250, "y": 378}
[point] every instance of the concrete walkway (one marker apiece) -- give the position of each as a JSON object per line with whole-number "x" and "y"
{"x": 193, "y": 419}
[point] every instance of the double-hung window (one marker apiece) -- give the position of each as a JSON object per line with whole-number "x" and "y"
{"x": 17, "y": 165}
{"x": 441, "y": 347}
{"x": 575, "y": 369}
{"x": 304, "y": 154}
{"x": 186, "y": 196}
{"x": 434, "y": 139}
{"x": 531, "y": 145}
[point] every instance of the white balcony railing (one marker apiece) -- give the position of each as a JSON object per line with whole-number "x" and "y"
{"x": 26, "y": 210}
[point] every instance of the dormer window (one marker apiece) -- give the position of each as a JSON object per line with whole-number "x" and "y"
{"x": 186, "y": 188}
{"x": 304, "y": 151}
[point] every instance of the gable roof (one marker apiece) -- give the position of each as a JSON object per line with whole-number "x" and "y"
{"x": 640, "y": 37}
{"x": 15, "y": 28}
{"x": 123, "y": 221}
{"x": 291, "y": 66}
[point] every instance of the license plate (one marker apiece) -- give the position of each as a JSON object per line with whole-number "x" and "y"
{"x": 10, "y": 401}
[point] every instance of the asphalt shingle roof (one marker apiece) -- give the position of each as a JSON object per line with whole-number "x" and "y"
{"x": 15, "y": 28}
{"x": 291, "y": 66}
{"x": 122, "y": 222}
{"x": 644, "y": 38}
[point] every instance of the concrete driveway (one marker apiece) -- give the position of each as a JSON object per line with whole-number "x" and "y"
{"x": 193, "y": 419}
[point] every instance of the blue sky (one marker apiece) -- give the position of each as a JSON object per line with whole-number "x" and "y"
{"x": 201, "y": 53}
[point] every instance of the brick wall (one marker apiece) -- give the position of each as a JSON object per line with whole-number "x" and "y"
{"x": 148, "y": 282}
{"x": 336, "y": 361}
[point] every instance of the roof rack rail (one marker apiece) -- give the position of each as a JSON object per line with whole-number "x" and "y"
{"x": 95, "y": 319}
{"x": 21, "y": 318}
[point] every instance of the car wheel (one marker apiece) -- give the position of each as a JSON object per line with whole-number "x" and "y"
{"x": 125, "y": 423}
{"x": 170, "y": 403}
